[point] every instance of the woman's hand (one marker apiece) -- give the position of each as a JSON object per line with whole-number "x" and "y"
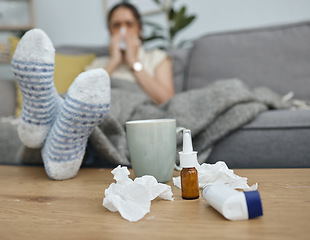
{"x": 116, "y": 55}
{"x": 131, "y": 53}
{"x": 159, "y": 87}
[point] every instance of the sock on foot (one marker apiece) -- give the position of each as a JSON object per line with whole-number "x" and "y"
{"x": 33, "y": 66}
{"x": 85, "y": 106}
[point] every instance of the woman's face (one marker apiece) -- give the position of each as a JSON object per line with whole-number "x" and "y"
{"x": 123, "y": 17}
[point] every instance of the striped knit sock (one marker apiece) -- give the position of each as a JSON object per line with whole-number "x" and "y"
{"x": 33, "y": 67}
{"x": 85, "y": 106}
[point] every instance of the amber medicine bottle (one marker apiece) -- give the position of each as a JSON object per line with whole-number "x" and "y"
{"x": 189, "y": 183}
{"x": 189, "y": 174}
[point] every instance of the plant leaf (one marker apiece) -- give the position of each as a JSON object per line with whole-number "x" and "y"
{"x": 153, "y": 37}
{"x": 185, "y": 22}
{"x": 171, "y": 14}
{"x": 174, "y": 23}
{"x": 153, "y": 25}
{"x": 157, "y": 1}
{"x": 179, "y": 15}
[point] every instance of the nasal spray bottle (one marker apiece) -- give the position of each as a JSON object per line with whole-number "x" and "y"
{"x": 232, "y": 204}
{"x": 189, "y": 174}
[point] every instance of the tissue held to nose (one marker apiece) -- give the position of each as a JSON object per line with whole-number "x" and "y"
{"x": 132, "y": 199}
{"x": 122, "y": 44}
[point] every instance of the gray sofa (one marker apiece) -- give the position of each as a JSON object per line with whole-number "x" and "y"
{"x": 275, "y": 57}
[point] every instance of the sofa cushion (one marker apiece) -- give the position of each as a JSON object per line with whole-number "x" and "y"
{"x": 278, "y": 138}
{"x": 76, "y": 50}
{"x": 7, "y": 98}
{"x": 281, "y": 119}
{"x": 179, "y": 62}
{"x": 274, "y": 57}
{"x": 9, "y": 141}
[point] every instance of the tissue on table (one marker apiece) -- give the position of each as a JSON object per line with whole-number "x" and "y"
{"x": 133, "y": 198}
{"x": 218, "y": 173}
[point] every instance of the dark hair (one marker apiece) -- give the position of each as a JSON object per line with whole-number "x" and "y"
{"x": 129, "y": 6}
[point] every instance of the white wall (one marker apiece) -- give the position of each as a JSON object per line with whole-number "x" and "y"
{"x": 82, "y": 22}
{"x": 77, "y": 22}
{"x": 223, "y": 15}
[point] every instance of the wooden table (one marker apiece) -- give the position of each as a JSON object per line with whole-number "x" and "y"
{"x": 34, "y": 207}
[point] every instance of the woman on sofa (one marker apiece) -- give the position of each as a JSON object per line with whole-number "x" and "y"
{"x": 152, "y": 70}
{"x": 60, "y": 128}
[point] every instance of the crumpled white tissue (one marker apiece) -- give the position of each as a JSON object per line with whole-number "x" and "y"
{"x": 218, "y": 173}
{"x": 133, "y": 198}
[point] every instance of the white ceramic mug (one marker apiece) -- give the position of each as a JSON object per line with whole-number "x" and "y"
{"x": 152, "y": 147}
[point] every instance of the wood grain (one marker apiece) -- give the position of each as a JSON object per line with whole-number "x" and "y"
{"x": 34, "y": 207}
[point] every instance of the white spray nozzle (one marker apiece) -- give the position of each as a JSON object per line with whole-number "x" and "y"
{"x": 187, "y": 141}
{"x": 188, "y": 158}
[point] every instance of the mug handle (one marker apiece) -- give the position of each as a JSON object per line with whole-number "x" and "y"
{"x": 178, "y": 129}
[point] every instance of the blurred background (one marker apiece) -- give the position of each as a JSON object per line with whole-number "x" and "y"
{"x": 83, "y": 23}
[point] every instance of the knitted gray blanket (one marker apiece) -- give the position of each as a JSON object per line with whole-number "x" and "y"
{"x": 210, "y": 113}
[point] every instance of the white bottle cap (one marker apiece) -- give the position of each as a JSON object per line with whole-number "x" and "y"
{"x": 188, "y": 157}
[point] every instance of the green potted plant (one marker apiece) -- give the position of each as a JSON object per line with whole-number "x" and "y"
{"x": 178, "y": 20}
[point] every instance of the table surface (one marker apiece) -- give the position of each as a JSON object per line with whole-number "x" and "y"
{"x": 34, "y": 207}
